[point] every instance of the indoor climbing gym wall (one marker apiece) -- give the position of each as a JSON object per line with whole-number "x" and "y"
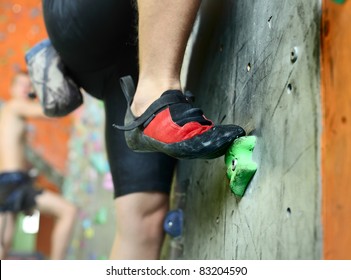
{"x": 278, "y": 68}
{"x": 249, "y": 78}
{"x": 68, "y": 152}
{"x": 21, "y": 27}
{"x": 88, "y": 184}
{"x": 258, "y": 64}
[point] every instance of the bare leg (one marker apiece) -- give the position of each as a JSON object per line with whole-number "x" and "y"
{"x": 139, "y": 226}
{"x": 164, "y": 29}
{"x": 172, "y": 125}
{"x": 7, "y": 228}
{"x": 65, "y": 213}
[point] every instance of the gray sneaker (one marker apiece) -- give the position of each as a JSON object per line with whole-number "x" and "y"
{"x": 57, "y": 92}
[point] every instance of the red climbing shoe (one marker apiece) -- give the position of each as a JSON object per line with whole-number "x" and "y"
{"x": 171, "y": 125}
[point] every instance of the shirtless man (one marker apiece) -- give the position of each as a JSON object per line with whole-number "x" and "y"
{"x": 16, "y": 190}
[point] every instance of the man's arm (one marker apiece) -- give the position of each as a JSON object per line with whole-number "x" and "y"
{"x": 26, "y": 109}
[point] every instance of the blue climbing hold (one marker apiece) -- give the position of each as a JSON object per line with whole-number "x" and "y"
{"x": 173, "y": 223}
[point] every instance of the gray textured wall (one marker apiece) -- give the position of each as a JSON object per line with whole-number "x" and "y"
{"x": 279, "y": 216}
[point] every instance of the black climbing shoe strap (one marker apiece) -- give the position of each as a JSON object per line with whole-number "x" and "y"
{"x": 128, "y": 88}
{"x": 168, "y": 98}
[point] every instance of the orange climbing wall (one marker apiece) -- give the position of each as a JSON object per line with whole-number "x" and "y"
{"x": 336, "y": 138}
{"x": 21, "y": 26}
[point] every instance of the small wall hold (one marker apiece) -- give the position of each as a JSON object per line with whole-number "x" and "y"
{"x": 107, "y": 183}
{"x": 86, "y": 223}
{"x": 99, "y": 162}
{"x": 92, "y": 256}
{"x": 240, "y": 166}
{"x": 293, "y": 55}
{"x": 248, "y": 67}
{"x": 173, "y": 223}
{"x": 16, "y": 8}
{"x": 289, "y": 88}
{"x": 101, "y": 216}
{"x": 89, "y": 233}
{"x": 34, "y": 12}
{"x": 339, "y": 1}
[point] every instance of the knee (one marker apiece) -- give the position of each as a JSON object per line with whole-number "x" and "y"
{"x": 150, "y": 227}
{"x": 69, "y": 212}
{"x": 146, "y": 228}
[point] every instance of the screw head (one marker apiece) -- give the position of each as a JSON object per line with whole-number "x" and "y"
{"x": 234, "y": 164}
{"x": 293, "y": 55}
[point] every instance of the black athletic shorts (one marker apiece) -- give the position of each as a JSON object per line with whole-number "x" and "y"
{"x": 17, "y": 192}
{"x": 97, "y": 42}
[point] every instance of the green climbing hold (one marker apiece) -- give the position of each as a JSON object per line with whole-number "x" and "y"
{"x": 101, "y": 216}
{"x": 240, "y": 166}
{"x": 339, "y": 1}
